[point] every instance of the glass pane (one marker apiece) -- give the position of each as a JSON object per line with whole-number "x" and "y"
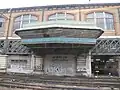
{"x": 90, "y": 20}
{"x": 32, "y": 21}
{"x": 61, "y": 19}
{"x": 51, "y": 19}
{"x": 99, "y": 15}
{"x": 33, "y": 18}
{"x": 2, "y": 20}
{"x": 26, "y": 17}
{"x": 100, "y": 23}
{"x": 23, "y": 23}
{"x": 1, "y": 24}
{"x": 60, "y": 15}
{"x": 107, "y": 15}
{"x": 16, "y": 25}
{"x": 69, "y": 19}
{"x": 109, "y": 24}
{"x": 52, "y": 16}
{"x": 69, "y": 16}
{"x": 18, "y": 18}
{"x": 90, "y": 15}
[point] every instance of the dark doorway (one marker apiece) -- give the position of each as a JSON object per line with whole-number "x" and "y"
{"x": 104, "y": 65}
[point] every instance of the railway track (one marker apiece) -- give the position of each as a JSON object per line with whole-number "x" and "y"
{"x": 44, "y": 82}
{"x": 43, "y": 86}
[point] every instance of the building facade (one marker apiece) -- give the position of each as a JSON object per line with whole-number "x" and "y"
{"x": 104, "y": 56}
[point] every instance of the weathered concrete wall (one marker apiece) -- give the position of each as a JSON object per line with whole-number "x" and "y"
{"x": 38, "y": 65}
{"x": 60, "y": 65}
{"x": 3, "y": 63}
{"x": 88, "y": 64}
{"x": 81, "y": 65}
{"x": 84, "y": 65}
{"x": 18, "y": 64}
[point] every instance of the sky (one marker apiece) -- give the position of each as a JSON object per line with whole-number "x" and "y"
{"x": 28, "y": 3}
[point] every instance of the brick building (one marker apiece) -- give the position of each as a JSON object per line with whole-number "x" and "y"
{"x": 102, "y": 59}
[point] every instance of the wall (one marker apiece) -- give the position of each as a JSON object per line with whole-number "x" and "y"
{"x": 3, "y": 63}
{"x": 38, "y": 64}
{"x": 80, "y": 14}
{"x": 18, "y": 65}
{"x": 111, "y": 10}
{"x": 84, "y": 65}
{"x": 60, "y": 65}
{"x": 81, "y": 65}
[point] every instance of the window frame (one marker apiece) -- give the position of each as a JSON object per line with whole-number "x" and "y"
{"x": 21, "y": 20}
{"x": 64, "y": 17}
{"x": 2, "y": 22}
{"x": 104, "y": 19}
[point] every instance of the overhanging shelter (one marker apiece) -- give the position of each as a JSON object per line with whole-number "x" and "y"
{"x": 63, "y": 45}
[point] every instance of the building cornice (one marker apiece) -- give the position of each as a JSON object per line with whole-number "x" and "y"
{"x": 60, "y": 7}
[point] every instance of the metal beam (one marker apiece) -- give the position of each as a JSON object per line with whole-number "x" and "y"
{"x": 107, "y": 47}
{"x": 102, "y": 47}
{"x": 14, "y": 47}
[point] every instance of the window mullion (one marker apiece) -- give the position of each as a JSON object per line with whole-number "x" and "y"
{"x": 105, "y": 26}
{"x": 95, "y": 18}
{"x": 29, "y": 18}
{"x": 56, "y": 16}
{"x": 21, "y": 21}
{"x": 65, "y": 16}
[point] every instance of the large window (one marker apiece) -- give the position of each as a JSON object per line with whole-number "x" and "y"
{"x": 24, "y": 19}
{"x": 102, "y": 19}
{"x": 61, "y": 16}
{"x": 2, "y": 21}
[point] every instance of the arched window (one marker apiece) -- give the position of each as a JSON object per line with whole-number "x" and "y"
{"x": 24, "y": 19}
{"x": 102, "y": 19}
{"x": 60, "y": 16}
{"x": 2, "y": 21}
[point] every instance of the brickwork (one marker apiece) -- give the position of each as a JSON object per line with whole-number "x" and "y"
{"x": 79, "y": 13}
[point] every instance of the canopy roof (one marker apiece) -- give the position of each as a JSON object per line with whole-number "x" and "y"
{"x": 59, "y": 40}
{"x": 74, "y": 29}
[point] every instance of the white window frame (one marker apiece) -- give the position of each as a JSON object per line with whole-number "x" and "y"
{"x": 56, "y": 16}
{"x": 21, "y": 19}
{"x": 104, "y": 18}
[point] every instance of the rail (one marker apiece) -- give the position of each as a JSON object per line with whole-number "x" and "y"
{"x": 31, "y": 81}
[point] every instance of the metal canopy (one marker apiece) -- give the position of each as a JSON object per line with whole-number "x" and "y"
{"x": 72, "y": 29}
{"x": 58, "y": 32}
